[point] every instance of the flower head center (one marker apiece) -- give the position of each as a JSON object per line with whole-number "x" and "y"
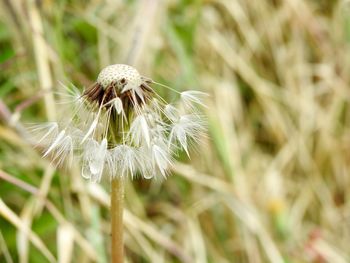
{"x": 120, "y": 76}
{"x": 120, "y": 84}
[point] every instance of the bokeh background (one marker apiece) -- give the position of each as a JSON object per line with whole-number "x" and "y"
{"x": 270, "y": 182}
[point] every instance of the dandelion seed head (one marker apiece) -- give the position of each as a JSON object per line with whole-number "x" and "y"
{"x": 120, "y": 75}
{"x": 122, "y": 127}
{"x": 119, "y": 86}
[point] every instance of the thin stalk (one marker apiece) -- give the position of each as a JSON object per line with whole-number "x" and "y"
{"x": 42, "y": 58}
{"x": 117, "y": 204}
{"x": 142, "y": 30}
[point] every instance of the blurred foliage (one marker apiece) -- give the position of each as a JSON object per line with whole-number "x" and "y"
{"x": 269, "y": 184}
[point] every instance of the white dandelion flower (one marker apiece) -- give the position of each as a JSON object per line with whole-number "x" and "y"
{"x": 122, "y": 127}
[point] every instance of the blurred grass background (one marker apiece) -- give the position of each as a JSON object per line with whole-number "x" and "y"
{"x": 269, "y": 184}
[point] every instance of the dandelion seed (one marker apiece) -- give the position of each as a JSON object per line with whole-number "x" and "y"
{"x": 118, "y": 105}
{"x": 61, "y": 149}
{"x": 44, "y": 132}
{"x": 94, "y": 160}
{"x": 91, "y": 130}
{"x": 140, "y": 131}
{"x": 55, "y": 143}
{"x": 192, "y": 97}
{"x": 160, "y": 159}
{"x": 64, "y": 151}
{"x": 126, "y": 159}
{"x": 178, "y": 133}
{"x": 171, "y": 112}
{"x": 189, "y": 126}
{"x": 72, "y": 95}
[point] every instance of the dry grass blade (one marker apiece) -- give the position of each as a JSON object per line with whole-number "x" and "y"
{"x": 329, "y": 252}
{"x": 197, "y": 240}
{"x": 65, "y": 243}
{"x": 145, "y": 246}
{"x": 19, "y": 183}
{"x": 131, "y": 221}
{"x": 42, "y": 58}
{"x": 4, "y": 249}
{"x": 10, "y": 216}
{"x": 270, "y": 182}
{"x": 82, "y": 242}
{"x": 78, "y": 237}
{"x": 142, "y": 30}
{"x": 155, "y": 235}
{"x": 22, "y": 236}
{"x": 44, "y": 189}
{"x": 209, "y": 181}
{"x": 251, "y": 220}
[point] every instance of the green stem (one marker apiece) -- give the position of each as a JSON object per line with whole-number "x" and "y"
{"x": 117, "y": 201}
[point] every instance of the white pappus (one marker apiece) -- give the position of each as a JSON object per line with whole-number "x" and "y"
{"x": 122, "y": 127}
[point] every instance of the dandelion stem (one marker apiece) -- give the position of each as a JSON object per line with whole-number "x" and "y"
{"x": 117, "y": 201}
